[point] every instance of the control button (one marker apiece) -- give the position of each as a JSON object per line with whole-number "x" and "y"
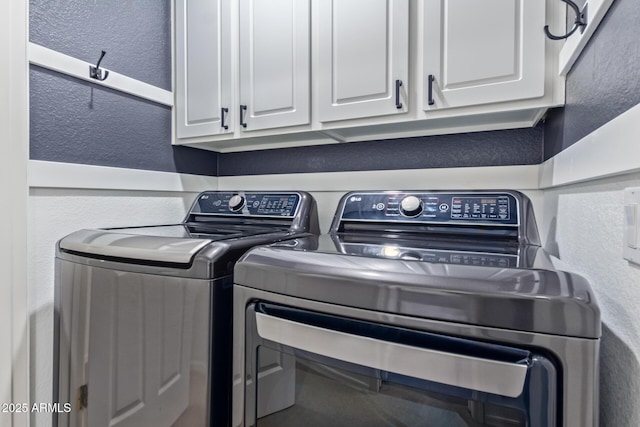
{"x": 236, "y": 203}
{"x": 443, "y": 207}
{"x": 411, "y": 206}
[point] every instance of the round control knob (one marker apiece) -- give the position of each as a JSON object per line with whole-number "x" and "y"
{"x": 411, "y": 206}
{"x": 236, "y": 203}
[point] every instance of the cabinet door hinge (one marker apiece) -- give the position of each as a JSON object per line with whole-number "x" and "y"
{"x": 83, "y": 397}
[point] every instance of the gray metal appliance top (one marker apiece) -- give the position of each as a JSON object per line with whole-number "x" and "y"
{"x": 218, "y": 222}
{"x": 477, "y": 261}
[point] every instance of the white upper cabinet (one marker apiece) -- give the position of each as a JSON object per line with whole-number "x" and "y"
{"x": 480, "y": 52}
{"x": 254, "y": 74}
{"x": 274, "y": 63}
{"x": 363, "y": 56}
{"x": 203, "y": 67}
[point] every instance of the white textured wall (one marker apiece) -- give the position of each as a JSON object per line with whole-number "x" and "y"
{"x": 584, "y": 226}
{"x": 328, "y": 187}
{"x": 54, "y": 213}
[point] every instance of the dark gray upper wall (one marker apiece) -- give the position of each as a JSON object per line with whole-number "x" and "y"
{"x": 496, "y": 148}
{"x": 73, "y": 121}
{"x": 603, "y": 83}
{"x": 136, "y": 34}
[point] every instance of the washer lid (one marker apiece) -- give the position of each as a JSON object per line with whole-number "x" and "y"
{"x": 534, "y": 300}
{"x": 121, "y": 245}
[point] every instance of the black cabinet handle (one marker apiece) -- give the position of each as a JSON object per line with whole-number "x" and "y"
{"x": 223, "y": 113}
{"x": 430, "y": 100}
{"x": 243, "y": 108}
{"x": 398, "y": 102}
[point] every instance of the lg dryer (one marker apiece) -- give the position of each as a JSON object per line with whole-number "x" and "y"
{"x": 417, "y": 309}
{"x": 144, "y": 313}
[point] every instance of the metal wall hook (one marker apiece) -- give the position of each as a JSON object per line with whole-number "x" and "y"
{"x": 96, "y": 72}
{"x": 580, "y": 21}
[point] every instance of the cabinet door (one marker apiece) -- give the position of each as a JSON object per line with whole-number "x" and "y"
{"x": 203, "y": 67}
{"x": 485, "y": 51}
{"x": 363, "y": 50}
{"x": 274, "y": 63}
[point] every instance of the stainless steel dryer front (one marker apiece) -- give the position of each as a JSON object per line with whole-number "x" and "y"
{"x": 417, "y": 309}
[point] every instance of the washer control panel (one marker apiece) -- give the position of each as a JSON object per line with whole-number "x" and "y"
{"x": 436, "y": 207}
{"x": 247, "y": 204}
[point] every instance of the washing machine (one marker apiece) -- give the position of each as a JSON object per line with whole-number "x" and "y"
{"x": 143, "y": 314}
{"x": 418, "y": 308}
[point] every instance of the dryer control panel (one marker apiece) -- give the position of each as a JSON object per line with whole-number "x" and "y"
{"x": 495, "y": 208}
{"x": 474, "y": 215}
{"x": 282, "y": 205}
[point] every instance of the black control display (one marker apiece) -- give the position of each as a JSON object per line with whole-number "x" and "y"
{"x": 247, "y": 204}
{"x": 501, "y": 208}
{"x": 275, "y": 205}
{"x": 488, "y": 208}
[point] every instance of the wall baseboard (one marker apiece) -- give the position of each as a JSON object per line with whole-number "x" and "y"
{"x": 610, "y": 150}
{"x": 43, "y": 174}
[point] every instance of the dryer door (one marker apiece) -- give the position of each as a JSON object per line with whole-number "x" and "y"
{"x": 351, "y": 372}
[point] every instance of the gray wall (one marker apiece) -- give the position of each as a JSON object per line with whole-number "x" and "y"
{"x": 136, "y": 34}
{"x": 74, "y": 121}
{"x": 603, "y": 83}
{"x": 497, "y": 148}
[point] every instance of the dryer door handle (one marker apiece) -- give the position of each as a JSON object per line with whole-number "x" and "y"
{"x": 474, "y": 373}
